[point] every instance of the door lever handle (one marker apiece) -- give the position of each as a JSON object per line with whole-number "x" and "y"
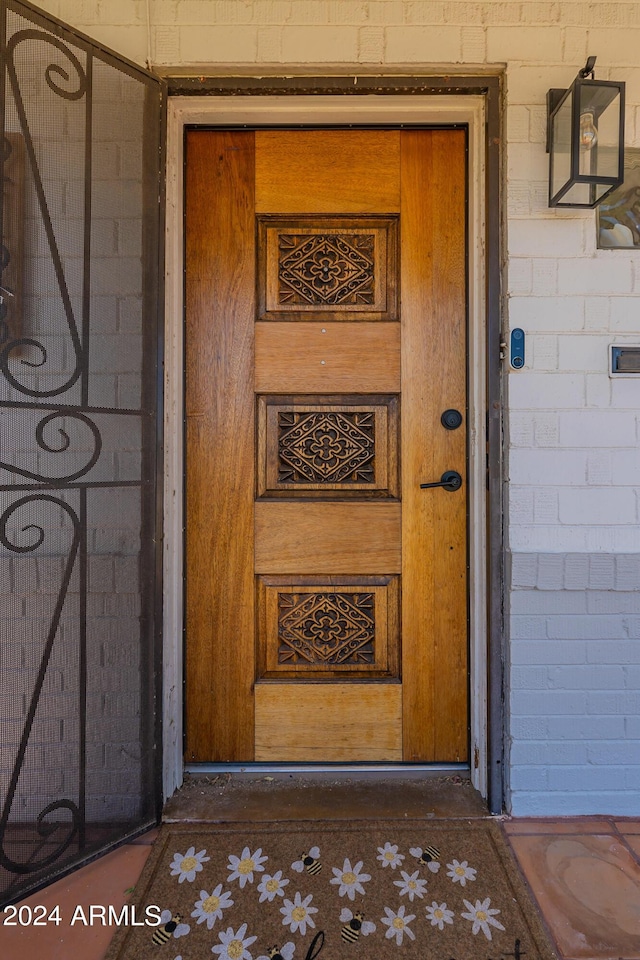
{"x": 451, "y": 481}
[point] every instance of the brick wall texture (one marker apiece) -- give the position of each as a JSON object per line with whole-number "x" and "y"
{"x": 572, "y": 430}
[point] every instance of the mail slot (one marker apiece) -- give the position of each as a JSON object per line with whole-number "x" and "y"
{"x": 625, "y": 361}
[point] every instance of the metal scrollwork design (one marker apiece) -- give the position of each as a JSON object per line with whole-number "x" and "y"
{"x": 54, "y": 73}
{"x": 63, "y": 446}
{"x": 45, "y": 829}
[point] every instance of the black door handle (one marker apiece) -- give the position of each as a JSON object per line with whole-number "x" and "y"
{"x": 451, "y": 480}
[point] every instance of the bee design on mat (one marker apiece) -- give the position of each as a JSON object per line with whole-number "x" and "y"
{"x": 281, "y": 953}
{"x": 354, "y": 925}
{"x": 171, "y": 927}
{"x": 427, "y": 856}
{"x": 309, "y": 862}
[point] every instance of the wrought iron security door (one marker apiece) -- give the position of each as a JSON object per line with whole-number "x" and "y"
{"x": 78, "y": 448}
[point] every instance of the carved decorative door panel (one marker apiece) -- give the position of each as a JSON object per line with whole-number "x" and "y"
{"x": 326, "y": 327}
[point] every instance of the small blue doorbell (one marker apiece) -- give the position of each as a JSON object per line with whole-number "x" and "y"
{"x": 517, "y": 348}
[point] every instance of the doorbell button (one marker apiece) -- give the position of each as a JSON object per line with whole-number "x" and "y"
{"x": 517, "y": 348}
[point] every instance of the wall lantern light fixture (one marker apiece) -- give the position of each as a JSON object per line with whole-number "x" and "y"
{"x": 585, "y": 140}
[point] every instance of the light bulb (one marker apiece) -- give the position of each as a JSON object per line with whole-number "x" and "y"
{"x": 588, "y": 131}
{"x": 588, "y": 140}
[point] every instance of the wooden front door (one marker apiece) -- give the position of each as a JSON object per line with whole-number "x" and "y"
{"x": 325, "y": 333}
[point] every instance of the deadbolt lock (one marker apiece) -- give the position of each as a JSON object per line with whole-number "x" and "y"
{"x": 451, "y": 419}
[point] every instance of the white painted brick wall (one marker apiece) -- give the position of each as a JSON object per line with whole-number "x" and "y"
{"x": 575, "y": 674}
{"x": 573, "y": 433}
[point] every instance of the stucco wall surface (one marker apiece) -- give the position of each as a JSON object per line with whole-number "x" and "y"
{"x": 573, "y": 432}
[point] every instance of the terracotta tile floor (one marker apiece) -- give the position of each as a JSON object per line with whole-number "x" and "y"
{"x": 105, "y": 881}
{"x": 584, "y": 874}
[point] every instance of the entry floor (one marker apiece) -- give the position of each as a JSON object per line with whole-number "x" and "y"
{"x": 584, "y": 873}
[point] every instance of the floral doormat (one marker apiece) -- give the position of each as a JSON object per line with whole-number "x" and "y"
{"x": 445, "y": 890}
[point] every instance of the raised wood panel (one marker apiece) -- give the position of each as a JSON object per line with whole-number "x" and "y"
{"x": 328, "y": 627}
{"x": 434, "y": 612}
{"x": 327, "y": 268}
{"x": 327, "y": 358}
{"x": 325, "y": 722}
{"x": 220, "y": 284}
{"x": 327, "y": 447}
{"x": 327, "y": 171}
{"x": 332, "y": 538}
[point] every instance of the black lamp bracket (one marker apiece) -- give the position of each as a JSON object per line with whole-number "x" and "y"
{"x": 554, "y": 96}
{"x": 588, "y": 69}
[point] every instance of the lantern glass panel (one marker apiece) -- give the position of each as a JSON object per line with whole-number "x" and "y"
{"x": 561, "y": 144}
{"x": 584, "y": 194}
{"x": 600, "y": 111}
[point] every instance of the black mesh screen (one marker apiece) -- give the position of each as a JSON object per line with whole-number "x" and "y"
{"x": 78, "y": 439}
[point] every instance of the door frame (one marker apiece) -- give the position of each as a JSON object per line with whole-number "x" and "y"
{"x": 477, "y": 109}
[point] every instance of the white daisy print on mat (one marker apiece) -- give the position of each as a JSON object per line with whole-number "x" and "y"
{"x": 350, "y": 879}
{"x": 389, "y": 856}
{"x": 243, "y": 867}
{"x": 411, "y": 885}
{"x": 482, "y": 917}
{"x": 297, "y": 913}
{"x": 210, "y": 906}
{"x": 286, "y": 952}
{"x": 233, "y": 944}
{"x": 398, "y": 924}
{"x": 271, "y": 887}
{"x": 438, "y": 915}
{"x": 460, "y": 872}
{"x": 186, "y": 865}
